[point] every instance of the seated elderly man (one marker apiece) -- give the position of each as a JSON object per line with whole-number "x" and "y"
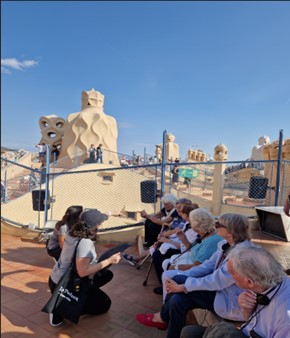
{"x": 265, "y": 303}
{"x": 154, "y": 222}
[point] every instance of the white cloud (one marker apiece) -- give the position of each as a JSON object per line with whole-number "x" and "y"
{"x": 16, "y": 64}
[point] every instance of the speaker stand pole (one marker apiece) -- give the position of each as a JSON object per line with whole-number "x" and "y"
{"x": 46, "y": 183}
{"x": 163, "y": 166}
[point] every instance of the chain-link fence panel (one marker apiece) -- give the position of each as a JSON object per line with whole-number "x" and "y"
{"x": 119, "y": 191}
{"x": 124, "y": 191}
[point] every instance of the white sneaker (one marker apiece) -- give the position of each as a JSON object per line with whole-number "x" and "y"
{"x": 129, "y": 259}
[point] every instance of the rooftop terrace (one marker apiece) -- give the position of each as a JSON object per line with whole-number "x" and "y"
{"x": 24, "y": 274}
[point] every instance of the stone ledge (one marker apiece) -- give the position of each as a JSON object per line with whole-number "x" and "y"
{"x": 206, "y": 318}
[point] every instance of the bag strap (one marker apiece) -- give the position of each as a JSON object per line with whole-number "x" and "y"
{"x": 170, "y": 212}
{"x": 73, "y": 262}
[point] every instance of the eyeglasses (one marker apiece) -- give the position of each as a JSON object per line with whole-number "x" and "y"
{"x": 218, "y": 225}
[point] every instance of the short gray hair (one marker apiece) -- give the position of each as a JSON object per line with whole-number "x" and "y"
{"x": 258, "y": 265}
{"x": 238, "y": 225}
{"x": 202, "y": 220}
{"x": 183, "y": 201}
{"x": 169, "y": 198}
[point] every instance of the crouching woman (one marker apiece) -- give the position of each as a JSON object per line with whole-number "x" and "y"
{"x": 86, "y": 263}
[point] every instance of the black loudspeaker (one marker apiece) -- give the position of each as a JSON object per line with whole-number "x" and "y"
{"x": 258, "y": 187}
{"x": 148, "y": 191}
{"x": 38, "y": 198}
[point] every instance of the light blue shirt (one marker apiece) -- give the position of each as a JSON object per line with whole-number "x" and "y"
{"x": 205, "y": 249}
{"x": 273, "y": 320}
{"x": 213, "y": 275}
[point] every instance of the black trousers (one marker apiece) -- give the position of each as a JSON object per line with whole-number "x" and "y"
{"x": 152, "y": 230}
{"x": 55, "y": 253}
{"x": 158, "y": 259}
{"x": 98, "y": 301}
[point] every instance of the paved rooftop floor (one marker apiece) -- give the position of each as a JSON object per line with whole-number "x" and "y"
{"x": 24, "y": 274}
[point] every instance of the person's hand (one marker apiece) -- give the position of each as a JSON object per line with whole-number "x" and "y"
{"x": 287, "y": 207}
{"x": 172, "y": 286}
{"x": 171, "y": 267}
{"x": 164, "y": 240}
{"x": 115, "y": 259}
{"x": 181, "y": 235}
{"x": 143, "y": 214}
{"x": 161, "y": 235}
{"x": 166, "y": 225}
{"x": 248, "y": 302}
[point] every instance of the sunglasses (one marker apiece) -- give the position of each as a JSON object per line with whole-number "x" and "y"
{"x": 218, "y": 225}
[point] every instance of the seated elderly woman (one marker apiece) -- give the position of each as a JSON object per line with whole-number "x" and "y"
{"x": 87, "y": 265}
{"x": 207, "y": 286}
{"x": 173, "y": 242}
{"x": 203, "y": 224}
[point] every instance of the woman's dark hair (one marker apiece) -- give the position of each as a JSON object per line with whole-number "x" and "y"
{"x": 187, "y": 208}
{"x": 70, "y": 217}
{"x": 81, "y": 230}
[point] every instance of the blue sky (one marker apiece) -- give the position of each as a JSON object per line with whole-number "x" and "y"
{"x": 207, "y": 72}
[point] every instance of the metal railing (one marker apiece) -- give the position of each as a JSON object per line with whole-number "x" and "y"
{"x": 243, "y": 185}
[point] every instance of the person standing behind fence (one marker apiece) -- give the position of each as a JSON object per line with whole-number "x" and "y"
{"x": 41, "y": 152}
{"x": 54, "y": 153}
{"x": 55, "y": 243}
{"x": 3, "y": 192}
{"x": 175, "y": 176}
{"x": 92, "y": 153}
{"x": 287, "y": 204}
{"x": 99, "y": 153}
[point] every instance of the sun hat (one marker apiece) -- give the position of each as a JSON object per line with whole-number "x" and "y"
{"x": 93, "y": 217}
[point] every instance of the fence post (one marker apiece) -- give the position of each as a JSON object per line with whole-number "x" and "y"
{"x": 163, "y": 167}
{"x": 278, "y": 167}
{"x": 46, "y": 182}
{"x": 5, "y": 187}
{"x": 76, "y": 156}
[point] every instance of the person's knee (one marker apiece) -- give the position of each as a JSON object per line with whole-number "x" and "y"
{"x": 156, "y": 256}
{"x": 165, "y": 264}
{"x": 107, "y": 304}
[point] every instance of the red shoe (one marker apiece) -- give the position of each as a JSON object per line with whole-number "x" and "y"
{"x": 146, "y": 319}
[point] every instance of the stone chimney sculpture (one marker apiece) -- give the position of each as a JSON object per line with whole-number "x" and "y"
{"x": 89, "y": 126}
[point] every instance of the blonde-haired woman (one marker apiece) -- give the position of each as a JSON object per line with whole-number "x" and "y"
{"x": 203, "y": 223}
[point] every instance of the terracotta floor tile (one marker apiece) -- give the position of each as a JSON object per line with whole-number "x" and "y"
{"x": 24, "y": 290}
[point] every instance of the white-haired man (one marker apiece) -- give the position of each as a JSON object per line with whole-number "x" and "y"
{"x": 154, "y": 222}
{"x": 266, "y": 300}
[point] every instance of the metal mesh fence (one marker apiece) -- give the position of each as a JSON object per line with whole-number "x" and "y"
{"x": 126, "y": 190}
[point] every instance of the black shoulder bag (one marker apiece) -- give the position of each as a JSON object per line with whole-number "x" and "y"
{"x": 70, "y": 294}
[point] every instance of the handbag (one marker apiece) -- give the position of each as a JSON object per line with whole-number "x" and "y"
{"x": 70, "y": 294}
